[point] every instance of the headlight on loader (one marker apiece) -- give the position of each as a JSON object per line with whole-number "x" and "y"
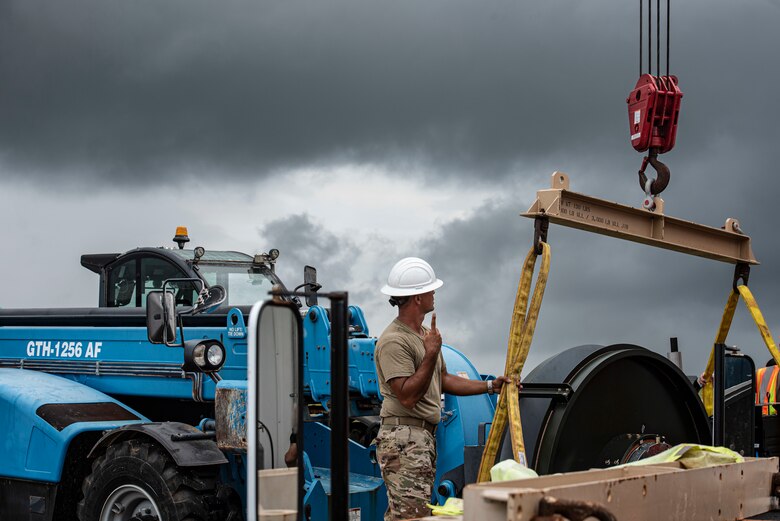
{"x": 203, "y": 356}
{"x": 215, "y": 355}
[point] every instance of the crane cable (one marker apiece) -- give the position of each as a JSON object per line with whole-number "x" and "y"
{"x": 657, "y": 34}
{"x": 521, "y": 333}
{"x": 707, "y": 391}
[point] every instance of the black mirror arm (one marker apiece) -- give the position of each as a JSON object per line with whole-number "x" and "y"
{"x": 181, "y": 328}
{"x": 314, "y": 287}
{"x": 186, "y": 310}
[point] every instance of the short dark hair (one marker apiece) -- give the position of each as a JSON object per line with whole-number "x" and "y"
{"x": 771, "y": 362}
{"x": 398, "y": 301}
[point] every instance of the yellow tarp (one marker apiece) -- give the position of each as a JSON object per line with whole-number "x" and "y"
{"x": 510, "y": 470}
{"x": 692, "y": 456}
{"x": 452, "y": 507}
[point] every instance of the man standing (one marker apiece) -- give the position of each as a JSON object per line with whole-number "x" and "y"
{"x": 766, "y": 387}
{"x": 412, "y": 375}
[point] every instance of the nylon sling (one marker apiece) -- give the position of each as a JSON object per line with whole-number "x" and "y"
{"x": 725, "y": 324}
{"x": 521, "y": 333}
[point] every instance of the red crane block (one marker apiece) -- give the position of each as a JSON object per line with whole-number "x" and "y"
{"x": 653, "y": 110}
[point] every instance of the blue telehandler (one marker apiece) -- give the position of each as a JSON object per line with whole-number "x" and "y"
{"x": 130, "y": 412}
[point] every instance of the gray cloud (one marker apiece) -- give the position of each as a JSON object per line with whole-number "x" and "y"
{"x": 126, "y": 92}
{"x": 300, "y": 240}
{"x": 342, "y": 263}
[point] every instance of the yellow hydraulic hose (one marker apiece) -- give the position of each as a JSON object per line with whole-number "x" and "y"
{"x": 725, "y": 325}
{"x": 521, "y": 333}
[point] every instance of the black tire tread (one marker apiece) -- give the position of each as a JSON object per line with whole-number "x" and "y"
{"x": 193, "y": 492}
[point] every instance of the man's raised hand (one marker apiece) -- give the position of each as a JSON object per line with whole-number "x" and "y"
{"x": 432, "y": 339}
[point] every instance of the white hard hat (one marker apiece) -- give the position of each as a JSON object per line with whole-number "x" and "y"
{"x": 411, "y": 276}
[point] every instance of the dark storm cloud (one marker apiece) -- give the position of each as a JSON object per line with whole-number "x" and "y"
{"x": 303, "y": 241}
{"x": 300, "y": 241}
{"x": 127, "y": 91}
{"x": 357, "y": 267}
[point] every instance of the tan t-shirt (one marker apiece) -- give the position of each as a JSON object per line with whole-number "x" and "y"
{"x": 399, "y": 352}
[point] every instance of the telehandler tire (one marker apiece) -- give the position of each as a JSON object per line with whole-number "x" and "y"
{"x": 136, "y": 480}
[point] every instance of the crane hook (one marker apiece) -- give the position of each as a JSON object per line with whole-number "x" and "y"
{"x": 660, "y": 183}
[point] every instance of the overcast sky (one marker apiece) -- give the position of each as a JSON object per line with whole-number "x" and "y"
{"x": 349, "y": 134}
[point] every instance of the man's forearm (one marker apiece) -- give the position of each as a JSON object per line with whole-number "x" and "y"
{"x": 456, "y": 385}
{"x": 415, "y": 386}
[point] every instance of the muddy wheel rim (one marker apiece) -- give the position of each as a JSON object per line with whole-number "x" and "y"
{"x": 129, "y": 503}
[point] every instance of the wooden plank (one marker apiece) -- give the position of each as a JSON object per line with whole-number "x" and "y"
{"x": 723, "y": 492}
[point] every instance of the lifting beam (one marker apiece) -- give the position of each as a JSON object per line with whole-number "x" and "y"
{"x": 561, "y": 206}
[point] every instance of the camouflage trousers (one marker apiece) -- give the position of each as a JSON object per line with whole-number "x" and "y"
{"x": 407, "y": 457}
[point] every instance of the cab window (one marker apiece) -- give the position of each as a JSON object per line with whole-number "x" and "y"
{"x": 121, "y": 284}
{"x": 130, "y": 282}
{"x": 245, "y": 285}
{"x": 155, "y": 271}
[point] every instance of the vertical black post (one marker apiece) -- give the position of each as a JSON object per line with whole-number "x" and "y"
{"x": 719, "y": 398}
{"x": 339, "y": 408}
{"x": 300, "y": 403}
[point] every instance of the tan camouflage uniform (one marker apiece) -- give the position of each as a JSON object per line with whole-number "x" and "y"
{"x": 407, "y": 457}
{"x": 406, "y": 454}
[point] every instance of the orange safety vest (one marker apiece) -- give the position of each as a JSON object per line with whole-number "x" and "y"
{"x": 766, "y": 389}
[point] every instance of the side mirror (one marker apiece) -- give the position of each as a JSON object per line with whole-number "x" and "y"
{"x": 209, "y": 299}
{"x": 275, "y": 409}
{"x": 310, "y": 283}
{"x": 160, "y": 317}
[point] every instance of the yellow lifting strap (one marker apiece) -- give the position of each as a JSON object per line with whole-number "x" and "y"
{"x": 521, "y": 333}
{"x": 725, "y": 325}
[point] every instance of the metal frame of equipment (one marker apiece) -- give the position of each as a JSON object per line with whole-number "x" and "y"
{"x": 561, "y": 206}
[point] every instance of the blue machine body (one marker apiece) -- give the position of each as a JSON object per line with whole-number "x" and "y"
{"x": 71, "y": 373}
{"x": 464, "y": 420}
{"x": 367, "y": 490}
{"x": 316, "y": 369}
{"x": 115, "y": 360}
{"x": 34, "y": 448}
